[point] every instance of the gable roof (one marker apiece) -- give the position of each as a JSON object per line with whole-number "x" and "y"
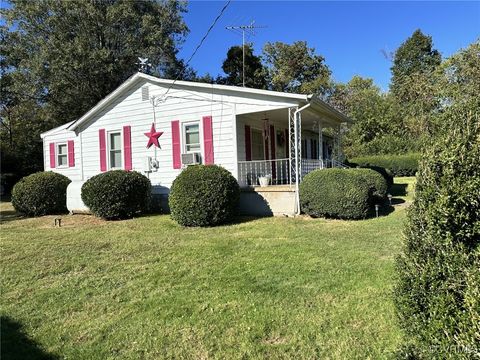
{"x": 56, "y": 129}
{"x": 299, "y": 98}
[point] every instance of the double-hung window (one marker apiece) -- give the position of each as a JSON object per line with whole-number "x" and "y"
{"x": 62, "y": 155}
{"x": 115, "y": 150}
{"x": 191, "y": 136}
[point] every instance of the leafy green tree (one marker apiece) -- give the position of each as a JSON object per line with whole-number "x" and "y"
{"x": 296, "y": 68}
{"x": 412, "y": 84}
{"x": 415, "y": 57}
{"x": 233, "y": 67}
{"x": 457, "y": 80}
{"x": 376, "y": 124}
{"x": 62, "y": 57}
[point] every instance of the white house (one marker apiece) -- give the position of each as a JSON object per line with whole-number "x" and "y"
{"x": 157, "y": 127}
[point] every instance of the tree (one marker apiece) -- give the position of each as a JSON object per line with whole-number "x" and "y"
{"x": 296, "y": 68}
{"x": 62, "y": 57}
{"x": 375, "y": 122}
{"x": 415, "y": 57}
{"x": 233, "y": 67}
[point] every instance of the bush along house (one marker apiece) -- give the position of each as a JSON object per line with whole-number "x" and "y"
{"x": 268, "y": 140}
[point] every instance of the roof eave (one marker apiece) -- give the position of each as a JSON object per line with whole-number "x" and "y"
{"x": 331, "y": 110}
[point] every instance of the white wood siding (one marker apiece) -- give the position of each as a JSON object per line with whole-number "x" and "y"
{"x": 181, "y": 104}
{"x": 74, "y": 173}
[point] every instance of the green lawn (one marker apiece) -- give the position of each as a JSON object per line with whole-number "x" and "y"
{"x": 149, "y": 289}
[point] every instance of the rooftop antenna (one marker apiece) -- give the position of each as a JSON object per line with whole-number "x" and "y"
{"x": 250, "y": 29}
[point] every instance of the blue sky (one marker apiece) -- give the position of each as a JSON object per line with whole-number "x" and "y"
{"x": 350, "y": 35}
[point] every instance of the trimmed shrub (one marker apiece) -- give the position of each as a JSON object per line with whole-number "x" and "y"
{"x": 335, "y": 193}
{"x": 42, "y": 193}
{"x": 398, "y": 165}
{"x": 437, "y": 293}
{"x": 204, "y": 195}
{"x": 378, "y": 185}
{"x": 117, "y": 194}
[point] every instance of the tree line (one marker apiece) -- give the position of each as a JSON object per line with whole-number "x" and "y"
{"x": 58, "y": 59}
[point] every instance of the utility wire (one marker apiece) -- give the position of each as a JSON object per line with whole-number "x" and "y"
{"x": 199, "y": 45}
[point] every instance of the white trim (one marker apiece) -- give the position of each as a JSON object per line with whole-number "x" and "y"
{"x": 184, "y": 140}
{"x": 57, "y": 154}
{"x": 300, "y": 98}
{"x": 108, "y": 133}
{"x": 55, "y": 129}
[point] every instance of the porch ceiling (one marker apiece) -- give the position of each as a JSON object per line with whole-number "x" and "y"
{"x": 309, "y": 117}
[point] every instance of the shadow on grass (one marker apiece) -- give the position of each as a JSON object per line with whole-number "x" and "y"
{"x": 398, "y": 190}
{"x": 15, "y": 344}
{"x": 9, "y": 215}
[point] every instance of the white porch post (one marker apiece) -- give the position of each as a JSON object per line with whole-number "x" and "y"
{"x": 320, "y": 141}
{"x": 235, "y": 143}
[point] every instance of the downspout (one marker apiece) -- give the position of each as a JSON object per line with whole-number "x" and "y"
{"x": 296, "y": 119}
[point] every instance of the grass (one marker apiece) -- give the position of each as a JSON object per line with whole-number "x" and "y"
{"x": 148, "y": 289}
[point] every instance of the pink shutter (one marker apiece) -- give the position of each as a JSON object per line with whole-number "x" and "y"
{"x": 177, "y": 163}
{"x": 248, "y": 144}
{"x": 52, "y": 155}
{"x": 208, "y": 140}
{"x": 127, "y": 147}
{"x": 103, "y": 149}
{"x": 71, "y": 153}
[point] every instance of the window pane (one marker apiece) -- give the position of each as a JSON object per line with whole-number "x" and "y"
{"x": 195, "y": 147}
{"x": 115, "y": 159}
{"x": 62, "y": 160}
{"x": 62, "y": 149}
{"x": 192, "y": 138}
{"x": 115, "y": 143}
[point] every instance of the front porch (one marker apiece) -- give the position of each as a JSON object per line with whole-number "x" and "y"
{"x": 279, "y": 147}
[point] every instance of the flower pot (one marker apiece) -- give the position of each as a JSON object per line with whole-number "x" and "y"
{"x": 264, "y": 181}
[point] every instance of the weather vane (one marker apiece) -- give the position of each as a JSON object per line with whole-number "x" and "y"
{"x": 143, "y": 65}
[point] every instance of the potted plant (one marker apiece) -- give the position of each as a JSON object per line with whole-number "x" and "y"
{"x": 264, "y": 180}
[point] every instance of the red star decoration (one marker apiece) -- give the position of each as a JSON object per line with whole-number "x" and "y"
{"x": 153, "y": 136}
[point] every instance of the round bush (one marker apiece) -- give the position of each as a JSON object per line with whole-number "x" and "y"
{"x": 204, "y": 195}
{"x": 378, "y": 184}
{"x": 335, "y": 193}
{"x": 117, "y": 194}
{"x": 42, "y": 193}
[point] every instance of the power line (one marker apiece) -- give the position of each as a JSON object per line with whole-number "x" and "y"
{"x": 199, "y": 45}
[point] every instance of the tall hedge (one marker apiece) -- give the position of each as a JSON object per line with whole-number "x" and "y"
{"x": 204, "y": 195}
{"x": 42, "y": 193}
{"x": 117, "y": 194}
{"x": 437, "y": 294}
{"x": 397, "y": 165}
{"x": 336, "y": 193}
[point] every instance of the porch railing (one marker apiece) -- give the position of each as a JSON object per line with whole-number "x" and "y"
{"x": 278, "y": 171}
{"x": 308, "y": 165}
